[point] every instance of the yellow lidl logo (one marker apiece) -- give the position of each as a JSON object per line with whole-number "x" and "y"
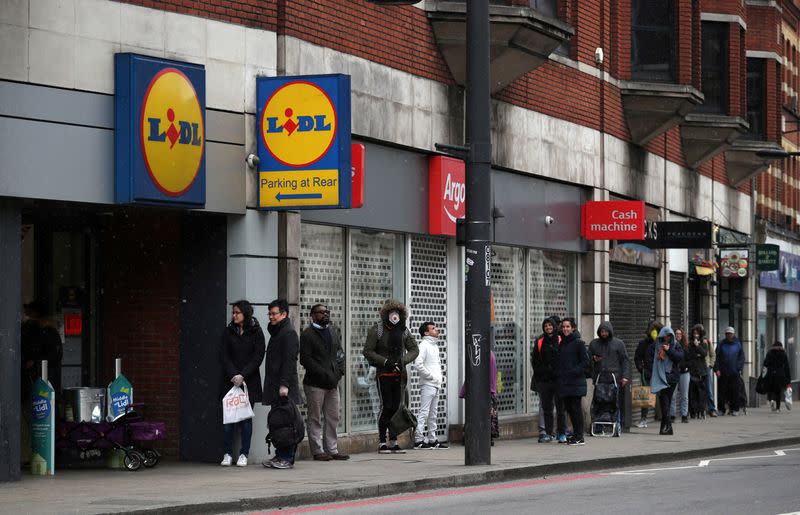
{"x": 172, "y": 132}
{"x": 298, "y": 124}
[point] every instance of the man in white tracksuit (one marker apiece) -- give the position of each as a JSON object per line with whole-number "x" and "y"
{"x": 429, "y": 369}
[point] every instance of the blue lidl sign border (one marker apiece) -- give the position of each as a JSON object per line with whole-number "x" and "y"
{"x": 160, "y": 131}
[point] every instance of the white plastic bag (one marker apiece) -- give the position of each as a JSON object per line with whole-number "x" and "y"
{"x": 236, "y": 405}
{"x": 787, "y": 397}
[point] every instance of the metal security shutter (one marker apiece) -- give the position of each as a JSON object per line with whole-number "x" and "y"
{"x": 677, "y": 294}
{"x": 633, "y": 306}
{"x": 429, "y": 303}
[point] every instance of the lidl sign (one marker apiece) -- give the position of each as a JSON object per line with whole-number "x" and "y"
{"x": 304, "y": 142}
{"x": 160, "y": 131}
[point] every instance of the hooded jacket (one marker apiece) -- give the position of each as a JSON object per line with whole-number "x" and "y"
{"x": 378, "y": 349}
{"x": 570, "y": 366}
{"x": 730, "y": 357}
{"x": 427, "y": 363}
{"x": 543, "y": 355}
{"x": 695, "y": 358}
{"x": 280, "y": 366}
{"x": 778, "y": 372}
{"x": 711, "y": 356}
{"x": 242, "y": 354}
{"x": 612, "y": 352}
{"x": 665, "y": 371}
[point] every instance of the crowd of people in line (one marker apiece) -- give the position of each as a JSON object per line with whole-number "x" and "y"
{"x": 676, "y": 366}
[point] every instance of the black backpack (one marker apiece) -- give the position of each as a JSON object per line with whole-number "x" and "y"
{"x": 285, "y": 425}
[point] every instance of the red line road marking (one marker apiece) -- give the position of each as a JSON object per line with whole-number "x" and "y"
{"x": 416, "y": 497}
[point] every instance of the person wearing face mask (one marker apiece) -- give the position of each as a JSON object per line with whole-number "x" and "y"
{"x": 389, "y": 347}
{"x": 668, "y": 354}
{"x": 323, "y": 358}
{"x": 643, "y": 359}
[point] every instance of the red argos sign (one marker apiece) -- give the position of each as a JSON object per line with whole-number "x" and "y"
{"x": 613, "y": 220}
{"x": 447, "y": 194}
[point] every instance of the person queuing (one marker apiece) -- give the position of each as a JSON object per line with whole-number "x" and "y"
{"x": 389, "y": 348}
{"x": 695, "y": 360}
{"x": 280, "y": 374}
{"x": 241, "y": 353}
{"x": 609, "y": 354}
{"x": 699, "y": 333}
{"x": 543, "y": 381}
{"x": 728, "y": 368}
{"x": 778, "y": 375}
{"x": 429, "y": 369}
{"x": 667, "y": 355}
{"x": 681, "y": 394}
{"x": 571, "y": 363}
{"x": 323, "y": 358}
{"x": 643, "y": 359}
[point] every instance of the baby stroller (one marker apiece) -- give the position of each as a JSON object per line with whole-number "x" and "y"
{"x": 605, "y": 406}
{"x": 126, "y": 433}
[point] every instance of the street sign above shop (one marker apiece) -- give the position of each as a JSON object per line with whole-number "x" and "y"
{"x": 304, "y": 142}
{"x": 678, "y": 235}
{"x": 786, "y": 277}
{"x": 447, "y": 194}
{"x": 767, "y": 257}
{"x": 159, "y": 139}
{"x": 613, "y": 220}
{"x": 733, "y": 263}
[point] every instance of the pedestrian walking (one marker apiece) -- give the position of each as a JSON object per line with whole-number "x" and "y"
{"x": 680, "y": 398}
{"x": 543, "y": 381}
{"x": 609, "y": 355}
{"x": 668, "y": 353}
{"x": 429, "y": 369}
{"x": 695, "y": 359}
{"x": 728, "y": 368}
{"x": 323, "y": 359}
{"x": 280, "y": 375}
{"x": 241, "y": 354}
{"x": 778, "y": 375}
{"x": 571, "y": 363}
{"x": 643, "y": 359}
{"x": 389, "y": 348}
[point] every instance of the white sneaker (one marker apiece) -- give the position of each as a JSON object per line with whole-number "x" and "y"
{"x": 227, "y": 460}
{"x": 242, "y": 461}
{"x": 772, "y": 405}
{"x": 642, "y": 423}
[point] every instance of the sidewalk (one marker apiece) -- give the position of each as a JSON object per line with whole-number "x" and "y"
{"x": 201, "y": 488}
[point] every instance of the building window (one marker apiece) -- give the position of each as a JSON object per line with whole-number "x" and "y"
{"x": 715, "y": 68}
{"x": 756, "y": 113}
{"x": 652, "y": 40}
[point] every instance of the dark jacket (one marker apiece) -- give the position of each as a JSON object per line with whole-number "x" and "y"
{"x": 730, "y": 357}
{"x": 242, "y": 354}
{"x": 377, "y": 348}
{"x": 543, "y": 357}
{"x": 571, "y": 362}
{"x": 778, "y": 372}
{"x": 280, "y": 367}
{"x": 322, "y": 356}
{"x": 643, "y": 357}
{"x": 695, "y": 359}
{"x": 612, "y": 351}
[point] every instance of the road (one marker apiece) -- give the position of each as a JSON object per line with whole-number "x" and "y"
{"x": 765, "y": 482}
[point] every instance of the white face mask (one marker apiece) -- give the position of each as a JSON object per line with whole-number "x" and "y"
{"x": 394, "y": 318}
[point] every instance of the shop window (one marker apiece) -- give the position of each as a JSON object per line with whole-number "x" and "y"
{"x": 756, "y": 91}
{"x": 715, "y": 68}
{"x": 652, "y": 40}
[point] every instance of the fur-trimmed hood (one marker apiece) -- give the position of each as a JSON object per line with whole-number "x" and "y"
{"x": 393, "y": 305}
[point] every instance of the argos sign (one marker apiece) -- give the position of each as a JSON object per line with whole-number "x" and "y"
{"x": 447, "y": 194}
{"x": 160, "y": 131}
{"x": 304, "y": 142}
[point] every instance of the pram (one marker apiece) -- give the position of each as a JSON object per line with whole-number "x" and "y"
{"x": 605, "y": 406}
{"x": 126, "y": 433}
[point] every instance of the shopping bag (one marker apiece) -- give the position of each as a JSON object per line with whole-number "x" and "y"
{"x": 787, "y": 397}
{"x": 641, "y": 397}
{"x": 236, "y": 405}
{"x": 402, "y": 420}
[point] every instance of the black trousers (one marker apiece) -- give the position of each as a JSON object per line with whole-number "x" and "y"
{"x": 548, "y": 397}
{"x": 777, "y": 396}
{"x": 664, "y": 401}
{"x": 728, "y": 392}
{"x": 389, "y": 389}
{"x": 573, "y": 407}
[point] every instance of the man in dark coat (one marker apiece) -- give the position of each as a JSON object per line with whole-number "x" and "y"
{"x": 571, "y": 363}
{"x": 609, "y": 354}
{"x": 322, "y": 356}
{"x": 779, "y": 376}
{"x": 728, "y": 369}
{"x": 543, "y": 381}
{"x": 280, "y": 374}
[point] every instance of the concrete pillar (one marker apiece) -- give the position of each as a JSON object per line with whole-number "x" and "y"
{"x": 10, "y": 350}
{"x": 595, "y": 279}
{"x": 748, "y": 337}
{"x": 289, "y": 263}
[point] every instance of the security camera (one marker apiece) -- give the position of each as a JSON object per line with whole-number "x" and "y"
{"x": 548, "y": 220}
{"x": 253, "y": 161}
{"x": 598, "y": 55}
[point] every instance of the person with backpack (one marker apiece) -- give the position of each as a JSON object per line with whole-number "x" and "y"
{"x": 543, "y": 359}
{"x": 570, "y": 369}
{"x": 280, "y": 375}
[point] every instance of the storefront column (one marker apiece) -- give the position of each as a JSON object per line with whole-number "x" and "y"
{"x": 10, "y": 316}
{"x": 748, "y": 338}
{"x": 595, "y": 278}
{"x": 662, "y": 290}
{"x": 289, "y": 263}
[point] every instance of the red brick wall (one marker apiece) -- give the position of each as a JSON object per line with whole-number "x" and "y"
{"x": 250, "y": 13}
{"x": 141, "y": 292}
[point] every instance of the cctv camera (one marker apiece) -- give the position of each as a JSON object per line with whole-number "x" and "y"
{"x": 598, "y": 55}
{"x": 253, "y": 161}
{"x": 548, "y": 220}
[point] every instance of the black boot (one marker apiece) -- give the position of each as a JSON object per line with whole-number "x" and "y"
{"x": 668, "y": 430}
{"x": 663, "y": 429}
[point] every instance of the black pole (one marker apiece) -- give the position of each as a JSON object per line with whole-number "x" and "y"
{"x": 477, "y": 440}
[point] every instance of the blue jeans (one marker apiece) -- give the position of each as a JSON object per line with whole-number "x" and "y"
{"x": 246, "y": 427}
{"x": 286, "y": 453}
{"x": 710, "y": 382}
{"x": 683, "y": 385}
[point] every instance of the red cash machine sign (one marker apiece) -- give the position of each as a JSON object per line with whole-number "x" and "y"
{"x": 357, "y": 152}
{"x": 447, "y": 194}
{"x": 613, "y": 220}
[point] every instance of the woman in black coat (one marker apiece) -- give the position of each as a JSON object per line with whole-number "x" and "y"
{"x": 570, "y": 370}
{"x": 778, "y": 375}
{"x": 242, "y": 352}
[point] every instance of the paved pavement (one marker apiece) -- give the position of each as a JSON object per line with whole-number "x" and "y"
{"x": 201, "y": 488}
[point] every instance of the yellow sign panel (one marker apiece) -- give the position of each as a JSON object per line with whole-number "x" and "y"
{"x": 298, "y": 188}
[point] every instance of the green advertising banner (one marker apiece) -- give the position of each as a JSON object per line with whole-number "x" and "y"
{"x": 767, "y": 257}
{"x": 43, "y": 426}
